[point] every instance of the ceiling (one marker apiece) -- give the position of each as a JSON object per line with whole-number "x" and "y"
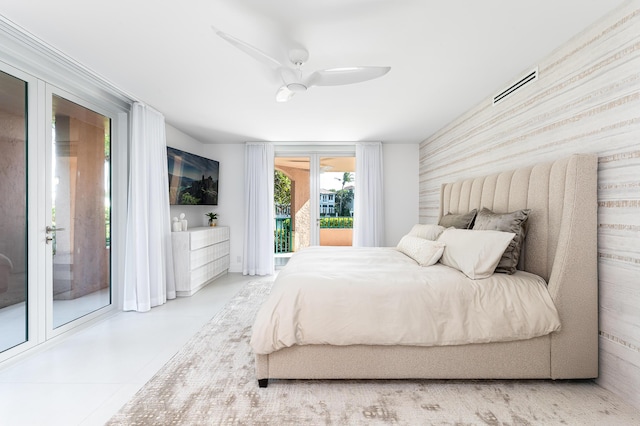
{"x": 445, "y": 57}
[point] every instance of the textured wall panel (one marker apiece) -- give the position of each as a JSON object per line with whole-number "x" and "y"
{"x": 587, "y": 99}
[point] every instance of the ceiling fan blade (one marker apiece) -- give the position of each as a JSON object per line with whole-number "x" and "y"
{"x": 284, "y": 94}
{"x": 341, "y": 76}
{"x": 250, "y": 50}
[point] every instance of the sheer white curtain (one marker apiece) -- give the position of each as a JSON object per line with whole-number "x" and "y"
{"x": 148, "y": 277}
{"x": 368, "y": 209}
{"x": 259, "y": 215}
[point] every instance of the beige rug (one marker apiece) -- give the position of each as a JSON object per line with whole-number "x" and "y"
{"x": 211, "y": 381}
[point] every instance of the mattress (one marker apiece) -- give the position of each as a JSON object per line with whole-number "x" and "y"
{"x": 379, "y": 296}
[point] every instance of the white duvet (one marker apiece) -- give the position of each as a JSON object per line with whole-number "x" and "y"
{"x": 379, "y": 296}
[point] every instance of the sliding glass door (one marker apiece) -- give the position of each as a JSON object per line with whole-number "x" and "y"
{"x": 55, "y": 211}
{"x": 78, "y": 199}
{"x": 313, "y": 201}
{"x": 13, "y": 212}
{"x": 292, "y": 206}
{"x": 337, "y": 191}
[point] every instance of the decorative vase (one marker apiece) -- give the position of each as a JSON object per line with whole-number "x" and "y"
{"x": 213, "y": 222}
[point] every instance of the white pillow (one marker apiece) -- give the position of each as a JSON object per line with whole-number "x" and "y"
{"x": 428, "y": 232}
{"x": 474, "y": 253}
{"x": 425, "y": 252}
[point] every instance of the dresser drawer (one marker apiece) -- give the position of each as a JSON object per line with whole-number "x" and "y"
{"x": 208, "y": 254}
{"x": 199, "y": 256}
{"x": 209, "y": 271}
{"x": 208, "y": 236}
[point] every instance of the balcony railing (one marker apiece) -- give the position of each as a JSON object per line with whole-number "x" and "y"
{"x": 282, "y": 242}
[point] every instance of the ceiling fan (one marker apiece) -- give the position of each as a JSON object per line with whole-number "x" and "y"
{"x": 292, "y": 77}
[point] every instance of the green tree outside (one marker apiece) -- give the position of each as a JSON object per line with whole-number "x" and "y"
{"x": 281, "y": 188}
{"x": 343, "y": 197}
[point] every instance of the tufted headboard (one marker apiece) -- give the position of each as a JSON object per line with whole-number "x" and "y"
{"x": 561, "y": 242}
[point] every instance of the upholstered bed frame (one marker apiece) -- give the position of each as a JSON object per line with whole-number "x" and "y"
{"x": 560, "y": 246}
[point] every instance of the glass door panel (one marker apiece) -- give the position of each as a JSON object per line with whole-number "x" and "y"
{"x": 313, "y": 197}
{"x": 13, "y": 211}
{"x": 79, "y": 230}
{"x": 292, "y": 206}
{"x": 337, "y": 189}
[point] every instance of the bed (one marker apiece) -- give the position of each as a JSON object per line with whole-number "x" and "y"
{"x": 560, "y": 247}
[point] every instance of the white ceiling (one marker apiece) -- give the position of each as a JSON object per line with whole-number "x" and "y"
{"x": 445, "y": 57}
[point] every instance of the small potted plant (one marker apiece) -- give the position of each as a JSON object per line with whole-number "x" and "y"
{"x": 213, "y": 218}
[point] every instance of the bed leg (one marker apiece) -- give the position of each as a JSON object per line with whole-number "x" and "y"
{"x": 263, "y": 383}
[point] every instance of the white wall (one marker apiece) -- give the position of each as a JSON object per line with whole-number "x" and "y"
{"x": 400, "y": 186}
{"x": 401, "y": 199}
{"x": 231, "y": 195}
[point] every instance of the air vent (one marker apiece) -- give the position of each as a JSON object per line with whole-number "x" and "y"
{"x": 527, "y": 79}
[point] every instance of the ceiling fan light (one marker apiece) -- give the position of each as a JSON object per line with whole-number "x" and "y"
{"x": 296, "y": 87}
{"x": 284, "y": 94}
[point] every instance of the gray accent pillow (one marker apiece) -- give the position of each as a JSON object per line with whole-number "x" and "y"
{"x": 515, "y": 222}
{"x": 460, "y": 221}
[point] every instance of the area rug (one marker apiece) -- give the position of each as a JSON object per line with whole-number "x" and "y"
{"x": 211, "y": 381}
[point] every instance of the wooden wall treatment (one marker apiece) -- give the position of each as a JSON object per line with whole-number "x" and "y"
{"x": 587, "y": 99}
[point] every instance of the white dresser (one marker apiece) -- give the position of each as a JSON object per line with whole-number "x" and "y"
{"x": 200, "y": 255}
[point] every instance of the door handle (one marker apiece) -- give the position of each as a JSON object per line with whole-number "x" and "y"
{"x": 50, "y": 229}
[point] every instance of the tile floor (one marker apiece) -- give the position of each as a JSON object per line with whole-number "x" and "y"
{"x": 84, "y": 378}
{"x": 12, "y": 318}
